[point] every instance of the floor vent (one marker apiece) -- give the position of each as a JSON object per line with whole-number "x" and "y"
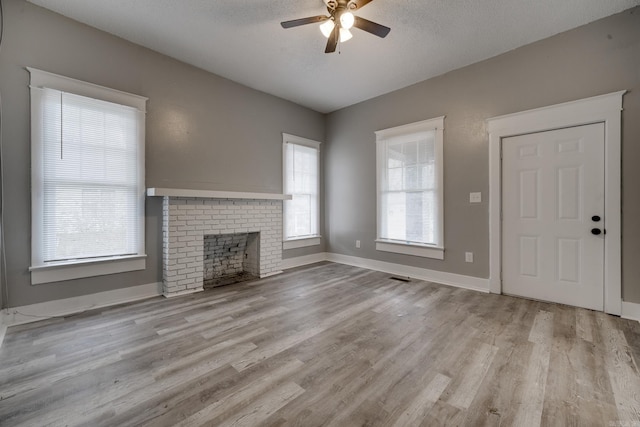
{"x": 402, "y": 279}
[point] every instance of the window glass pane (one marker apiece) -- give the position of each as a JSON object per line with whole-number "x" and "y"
{"x": 428, "y": 176}
{"x": 413, "y": 213}
{"x": 410, "y": 151}
{"x": 426, "y": 152}
{"x": 87, "y": 222}
{"x": 395, "y": 156}
{"x": 410, "y": 216}
{"x": 90, "y": 185}
{"x": 409, "y": 210}
{"x": 301, "y": 181}
{"x": 411, "y": 181}
{"x": 395, "y": 179}
{"x": 394, "y": 207}
{"x": 301, "y": 207}
{"x": 429, "y": 217}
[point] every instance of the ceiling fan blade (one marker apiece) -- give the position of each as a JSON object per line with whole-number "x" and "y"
{"x": 371, "y": 27}
{"x": 303, "y": 21}
{"x": 361, "y": 3}
{"x": 333, "y": 40}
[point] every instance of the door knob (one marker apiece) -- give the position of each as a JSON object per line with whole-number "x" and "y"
{"x": 596, "y": 231}
{"x": 595, "y": 218}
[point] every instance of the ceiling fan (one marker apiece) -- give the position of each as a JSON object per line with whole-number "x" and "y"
{"x": 336, "y": 26}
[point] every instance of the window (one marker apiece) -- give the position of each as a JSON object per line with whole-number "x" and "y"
{"x": 410, "y": 211}
{"x": 301, "y": 160}
{"x": 87, "y": 184}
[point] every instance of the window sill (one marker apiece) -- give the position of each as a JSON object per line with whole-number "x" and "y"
{"x": 410, "y": 249}
{"x": 301, "y": 243}
{"x": 80, "y": 269}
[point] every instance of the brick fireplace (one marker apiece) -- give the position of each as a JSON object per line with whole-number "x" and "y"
{"x": 190, "y": 215}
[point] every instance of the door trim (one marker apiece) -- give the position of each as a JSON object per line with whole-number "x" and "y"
{"x": 605, "y": 109}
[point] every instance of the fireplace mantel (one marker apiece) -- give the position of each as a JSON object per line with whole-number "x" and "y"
{"x": 208, "y": 194}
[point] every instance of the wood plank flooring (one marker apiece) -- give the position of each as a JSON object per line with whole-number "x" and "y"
{"x": 326, "y": 344}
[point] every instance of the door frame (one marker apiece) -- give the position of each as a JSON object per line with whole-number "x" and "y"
{"x": 605, "y": 109}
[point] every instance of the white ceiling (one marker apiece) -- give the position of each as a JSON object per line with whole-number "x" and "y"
{"x": 242, "y": 40}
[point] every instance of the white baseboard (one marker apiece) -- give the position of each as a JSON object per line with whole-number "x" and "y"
{"x": 63, "y": 307}
{"x": 183, "y": 293}
{"x": 303, "y": 260}
{"x": 273, "y": 273}
{"x": 451, "y": 279}
{"x": 630, "y": 310}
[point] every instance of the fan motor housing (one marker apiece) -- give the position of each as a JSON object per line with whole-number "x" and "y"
{"x": 335, "y": 4}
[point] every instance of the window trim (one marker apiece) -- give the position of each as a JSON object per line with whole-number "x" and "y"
{"x": 61, "y": 271}
{"x": 382, "y": 136}
{"x": 302, "y": 241}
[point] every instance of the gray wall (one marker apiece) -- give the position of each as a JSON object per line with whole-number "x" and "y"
{"x": 598, "y": 58}
{"x": 203, "y": 132}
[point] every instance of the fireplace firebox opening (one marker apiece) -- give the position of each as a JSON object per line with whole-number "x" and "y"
{"x": 231, "y": 258}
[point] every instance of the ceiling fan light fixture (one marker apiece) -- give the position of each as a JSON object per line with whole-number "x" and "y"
{"x": 336, "y": 26}
{"x": 345, "y": 35}
{"x": 346, "y": 20}
{"x": 327, "y": 27}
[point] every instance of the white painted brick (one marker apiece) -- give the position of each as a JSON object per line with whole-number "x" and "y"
{"x": 179, "y": 245}
{"x": 187, "y": 220}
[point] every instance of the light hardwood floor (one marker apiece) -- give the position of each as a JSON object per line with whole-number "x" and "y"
{"x": 327, "y": 344}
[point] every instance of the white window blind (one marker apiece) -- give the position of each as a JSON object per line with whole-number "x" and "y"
{"x": 409, "y": 190}
{"x": 410, "y": 210}
{"x": 87, "y": 189}
{"x": 301, "y": 180}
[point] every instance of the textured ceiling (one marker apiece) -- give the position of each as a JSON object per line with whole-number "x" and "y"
{"x": 243, "y": 41}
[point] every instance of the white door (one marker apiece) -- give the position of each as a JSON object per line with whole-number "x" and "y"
{"x": 552, "y": 210}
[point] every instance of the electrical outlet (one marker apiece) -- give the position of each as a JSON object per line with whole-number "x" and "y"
{"x": 358, "y": 244}
{"x": 475, "y": 197}
{"x": 468, "y": 256}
